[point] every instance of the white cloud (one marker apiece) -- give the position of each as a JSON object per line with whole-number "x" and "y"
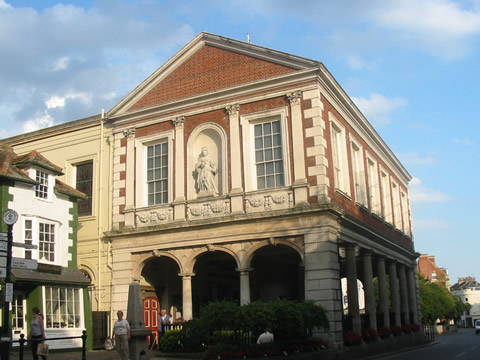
{"x": 4, "y": 5}
{"x": 422, "y": 194}
{"x": 39, "y": 122}
{"x": 61, "y": 64}
{"x": 377, "y": 107}
{"x": 60, "y": 101}
{"x": 464, "y": 141}
{"x": 416, "y": 159}
{"x": 443, "y": 27}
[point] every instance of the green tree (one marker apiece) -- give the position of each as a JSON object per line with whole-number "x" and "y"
{"x": 438, "y": 303}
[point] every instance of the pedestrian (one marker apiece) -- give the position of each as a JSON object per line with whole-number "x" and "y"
{"x": 121, "y": 333}
{"x": 37, "y": 332}
{"x": 163, "y": 320}
{"x": 265, "y": 337}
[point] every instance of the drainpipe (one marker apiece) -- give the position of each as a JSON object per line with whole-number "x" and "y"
{"x": 99, "y": 213}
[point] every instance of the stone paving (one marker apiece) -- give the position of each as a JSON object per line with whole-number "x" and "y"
{"x": 99, "y": 355}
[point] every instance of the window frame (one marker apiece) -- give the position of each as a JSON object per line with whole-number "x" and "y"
{"x": 248, "y": 123}
{"x": 358, "y": 169}
{"x": 75, "y": 181}
{"x": 77, "y": 305}
{"x": 341, "y": 175}
{"x": 386, "y": 196}
{"x": 141, "y": 147}
{"x": 396, "y": 210}
{"x": 405, "y": 212}
{"x": 34, "y": 254}
{"x": 373, "y": 186}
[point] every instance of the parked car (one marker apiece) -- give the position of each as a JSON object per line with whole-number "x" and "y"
{"x": 477, "y": 327}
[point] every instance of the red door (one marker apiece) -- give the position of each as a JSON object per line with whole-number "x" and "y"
{"x": 150, "y": 316}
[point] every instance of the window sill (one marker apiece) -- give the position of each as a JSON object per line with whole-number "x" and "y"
{"x": 344, "y": 194}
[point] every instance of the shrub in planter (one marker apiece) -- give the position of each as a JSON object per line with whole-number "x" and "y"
{"x": 384, "y": 333}
{"x": 369, "y": 335}
{"x": 406, "y": 328}
{"x": 352, "y": 338}
{"x": 396, "y": 330}
{"x": 193, "y": 336}
{"x": 415, "y": 327}
{"x": 170, "y": 341}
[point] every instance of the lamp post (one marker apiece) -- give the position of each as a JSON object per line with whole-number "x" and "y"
{"x": 10, "y": 217}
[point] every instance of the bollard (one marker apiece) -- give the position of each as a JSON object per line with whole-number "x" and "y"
{"x": 84, "y": 345}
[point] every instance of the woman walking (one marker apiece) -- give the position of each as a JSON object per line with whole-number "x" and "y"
{"x": 37, "y": 333}
{"x": 121, "y": 332}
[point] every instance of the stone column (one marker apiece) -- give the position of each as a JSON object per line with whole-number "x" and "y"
{"x": 299, "y": 174}
{"x": 179, "y": 176}
{"x": 370, "y": 305}
{"x": 412, "y": 295}
{"x": 352, "y": 288}
{"x": 394, "y": 298}
{"x": 322, "y": 277}
{"x": 244, "y": 286}
{"x": 130, "y": 178}
{"x": 382, "y": 291}
{"x": 403, "y": 294}
{"x": 236, "y": 193}
{"x": 187, "y": 296}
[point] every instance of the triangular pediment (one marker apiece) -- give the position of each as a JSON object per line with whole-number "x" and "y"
{"x": 206, "y": 65}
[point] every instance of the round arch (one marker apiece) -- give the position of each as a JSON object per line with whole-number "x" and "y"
{"x": 247, "y": 260}
{"x": 189, "y": 264}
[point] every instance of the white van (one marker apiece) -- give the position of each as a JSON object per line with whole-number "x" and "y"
{"x": 477, "y": 327}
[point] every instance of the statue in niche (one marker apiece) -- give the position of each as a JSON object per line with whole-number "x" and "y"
{"x": 206, "y": 170}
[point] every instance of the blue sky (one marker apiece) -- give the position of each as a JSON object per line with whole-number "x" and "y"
{"x": 411, "y": 66}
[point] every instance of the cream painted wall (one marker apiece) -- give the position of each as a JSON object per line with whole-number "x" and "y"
{"x": 66, "y": 148}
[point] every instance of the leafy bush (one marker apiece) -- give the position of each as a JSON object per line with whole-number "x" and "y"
{"x": 352, "y": 338}
{"x": 170, "y": 341}
{"x": 193, "y": 336}
{"x": 384, "y": 333}
{"x": 370, "y": 335}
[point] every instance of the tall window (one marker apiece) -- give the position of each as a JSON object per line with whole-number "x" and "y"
{"x": 269, "y": 155}
{"x": 339, "y": 157}
{"x": 397, "y": 217}
{"x": 359, "y": 174}
{"x": 28, "y": 237}
{"x": 18, "y": 319}
{"x": 386, "y": 197}
{"x": 373, "y": 189}
{"x": 62, "y": 308}
{"x": 41, "y": 189}
{"x": 46, "y": 241}
{"x": 84, "y": 183}
{"x": 405, "y": 213}
{"x": 157, "y": 174}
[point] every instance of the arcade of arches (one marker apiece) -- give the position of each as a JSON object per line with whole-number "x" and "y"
{"x": 270, "y": 272}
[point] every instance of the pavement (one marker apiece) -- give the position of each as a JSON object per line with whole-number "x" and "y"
{"x": 101, "y": 355}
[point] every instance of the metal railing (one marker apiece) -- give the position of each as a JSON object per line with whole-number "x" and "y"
{"x": 22, "y": 342}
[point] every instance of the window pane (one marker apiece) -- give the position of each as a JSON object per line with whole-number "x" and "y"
{"x": 267, "y": 128}
{"x": 260, "y": 169}
{"x": 277, "y": 140}
{"x": 258, "y": 143}
{"x": 268, "y": 141}
{"x": 261, "y": 183}
{"x": 84, "y": 183}
{"x": 277, "y": 153}
{"x": 270, "y": 181}
{"x": 259, "y": 156}
{"x": 268, "y": 154}
{"x": 258, "y": 130}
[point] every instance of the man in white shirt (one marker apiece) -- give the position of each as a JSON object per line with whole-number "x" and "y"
{"x": 163, "y": 319}
{"x": 266, "y": 337}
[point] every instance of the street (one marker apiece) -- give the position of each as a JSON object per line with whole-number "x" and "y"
{"x": 461, "y": 345}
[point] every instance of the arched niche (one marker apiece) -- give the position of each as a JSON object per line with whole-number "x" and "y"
{"x": 211, "y": 137}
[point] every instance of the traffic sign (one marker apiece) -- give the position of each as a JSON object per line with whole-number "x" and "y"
{"x": 8, "y": 292}
{"x": 3, "y": 245}
{"x": 3, "y": 262}
{"x": 3, "y": 274}
{"x": 4, "y": 236}
{"x": 10, "y": 217}
{"x": 22, "y": 245}
{"x": 19, "y": 263}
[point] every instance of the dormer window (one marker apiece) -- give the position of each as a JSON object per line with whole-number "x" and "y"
{"x": 41, "y": 189}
